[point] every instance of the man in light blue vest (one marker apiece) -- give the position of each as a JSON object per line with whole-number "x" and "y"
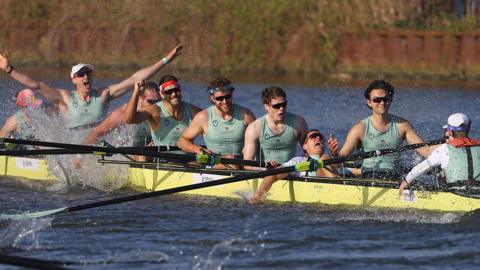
{"x": 381, "y": 130}
{"x": 459, "y": 157}
{"x": 167, "y": 118}
{"x": 85, "y": 106}
{"x": 277, "y": 133}
{"x": 222, "y": 125}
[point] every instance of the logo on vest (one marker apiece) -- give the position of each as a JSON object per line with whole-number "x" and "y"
{"x": 215, "y": 123}
{"x": 166, "y": 122}
{"x": 74, "y": 103}
{"x": 371, "y": 136}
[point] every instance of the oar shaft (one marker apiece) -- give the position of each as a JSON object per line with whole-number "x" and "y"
{"x": 129, "y": 151}
{"x": 42, "y": 152}
{"x": 107, "y": 150}
{"x": 140, "y": 196}
{"x": 30, "y": 263}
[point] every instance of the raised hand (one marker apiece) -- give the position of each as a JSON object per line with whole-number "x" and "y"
{"x": 140, "y": 86}
{"x": 178, "y": 50}
{"x": 333, "y": 145}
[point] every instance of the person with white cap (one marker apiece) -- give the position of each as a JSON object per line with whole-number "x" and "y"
{"x": 85, "y": 106}
{"x": 222, "y": 125}
{"x": 167, "y": 118}
{"x": 459, "y": 157}
{"x": 20, "y": 123}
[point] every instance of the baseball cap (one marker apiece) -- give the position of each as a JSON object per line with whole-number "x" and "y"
{"x": 26, "y": 98}
{"x": 457, "y": 122}
{"x": 78, "y": 67}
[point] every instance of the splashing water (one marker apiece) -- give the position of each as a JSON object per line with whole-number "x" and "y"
{"x": 138, "y": 256}
{"x": 24, "y": 234}
{"x": 107, "y": 178}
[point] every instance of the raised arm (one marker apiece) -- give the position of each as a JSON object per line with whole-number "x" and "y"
{"x": 117, "y": 90}
{"x": 132, "y": 116}
{"x": 185, "y": 142}
{"x": 51, "y": 94}
{"x": 114, "y": 120}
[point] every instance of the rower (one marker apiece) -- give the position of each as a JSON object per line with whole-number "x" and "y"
{"x": 313, "y": 147}
{"x": 277, "y": 132}
{"x": 222, "y": 125}
{"x": 459, "y": 157}
{"x": 141, "y": 131}
{"x": 85, "y": 106}
{"x": 167, "y": 118}
{"x": 379, "y": 131}
{"x": 20, "y": 123}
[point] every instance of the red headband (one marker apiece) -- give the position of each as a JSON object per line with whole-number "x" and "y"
{"x": 166, "y": 84}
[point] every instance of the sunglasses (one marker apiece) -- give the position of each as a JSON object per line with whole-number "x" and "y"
{"x": 222, "y": 98}
{"x": 152, "y": 101}
{"x": 279, "y": 105}
{"x": 83, "y": 72}
{"x": 170, "y": 91}
{"x": 385, "y": 99}
{"x": 315, "y": 135}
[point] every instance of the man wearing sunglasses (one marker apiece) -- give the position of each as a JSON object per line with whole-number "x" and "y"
{"x": 222, "y": 125}
{"x": 277, "y": 132}
{"x": 141, "y": 131}
{"x": 167, "y": 118}
{"x": 85, "y": 106}
{"x": 381, "y": 130}
{"x": 313, "y": 147}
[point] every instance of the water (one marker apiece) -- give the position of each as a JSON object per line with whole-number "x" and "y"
{"x": 191, "y": 232}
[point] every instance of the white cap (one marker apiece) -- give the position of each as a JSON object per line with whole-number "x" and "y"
{"x": 456, "y": 121}
{"x": 77, "y": 67}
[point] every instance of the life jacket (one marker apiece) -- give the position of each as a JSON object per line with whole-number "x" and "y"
{"x": 464, "y": 142}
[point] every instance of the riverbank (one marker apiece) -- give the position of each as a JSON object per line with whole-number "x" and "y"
{"x": 306, "y": 39}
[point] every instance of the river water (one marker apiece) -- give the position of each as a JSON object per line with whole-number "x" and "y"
{"x": 191, "y": 232}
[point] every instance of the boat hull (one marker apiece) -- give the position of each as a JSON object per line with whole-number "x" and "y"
{"x": 325, "y": 191}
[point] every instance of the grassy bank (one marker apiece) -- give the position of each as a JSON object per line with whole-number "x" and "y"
{"x": 271, "y": 36}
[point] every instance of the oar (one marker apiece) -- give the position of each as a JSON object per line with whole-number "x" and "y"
{"x": 43, "y": 152}
{"x": 30, "y": 263}
{"x": 200, "y": 158}
{"x": 311, "y": 165}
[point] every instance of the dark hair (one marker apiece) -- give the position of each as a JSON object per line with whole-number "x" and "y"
{"x": 272, "y": 92}
{"x": 305, "y": 136}
{"x": 167, "y": 78}
{"x": 218, "y": 83}
{"x": 152, "y": 85}
{"x": 379, "y": 84}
